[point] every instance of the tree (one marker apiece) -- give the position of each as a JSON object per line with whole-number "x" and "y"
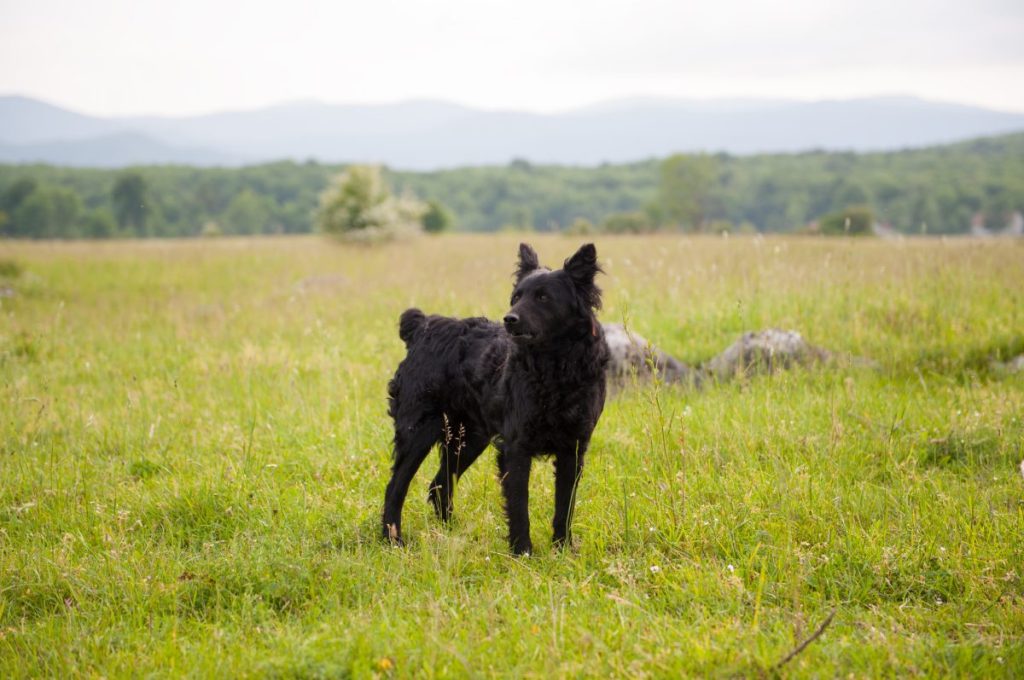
{"x": 48, "y": 212}
{"x": 684, "y": 189}
{"x": 16, "y": 193}
{"x": 846, "y": 192}
{"x": 924, "y": 215}
{"x": 939, "y": 188}
{"x": 99, "y": 223}
{"x": 437, "y": 218}
{"x": 249, "y": 213}
{"x": 358, "y": 205}
{"x": 129, "y": 197}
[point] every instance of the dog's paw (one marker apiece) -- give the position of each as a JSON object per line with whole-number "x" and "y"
{"x": 522, "y": 548}
{"x": 392, "y": 536}
{"x": 563, "y": 544}
{"x": 441, "y": 509}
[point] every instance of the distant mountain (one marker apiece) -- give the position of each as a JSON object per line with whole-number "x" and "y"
{"x": 303, "y": 129}
{"x": 28, "y": 121}
{"x": 433, "y": 134}
{"x": 112, "y": 151}
{"x": 707, "y": 105}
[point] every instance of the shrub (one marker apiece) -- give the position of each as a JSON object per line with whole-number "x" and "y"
{"x": 358, "y": 206}
{"x": 580, "y": 226}
{"x": 855, "y": 220}
{"x": 10, "y": 269}
{"x": 627, "y": 223}
{"x": 436, "y": 218}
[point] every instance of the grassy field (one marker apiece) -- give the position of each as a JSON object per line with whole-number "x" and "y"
{"x": 194, "y": 446}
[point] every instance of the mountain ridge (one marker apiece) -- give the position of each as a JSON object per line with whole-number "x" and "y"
{"x": 428, "y": 134}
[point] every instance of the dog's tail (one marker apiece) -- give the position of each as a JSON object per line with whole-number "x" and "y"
{"x": 410, "y": 324}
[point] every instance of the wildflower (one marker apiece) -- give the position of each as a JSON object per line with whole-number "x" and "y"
{"x": 655, "y": 568}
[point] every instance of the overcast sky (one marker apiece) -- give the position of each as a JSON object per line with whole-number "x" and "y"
{"x": 197, "y": 56}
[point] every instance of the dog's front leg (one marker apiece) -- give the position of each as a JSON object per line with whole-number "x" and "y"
{"x": 568, "y": 470}
{"x": 514, "y": 464}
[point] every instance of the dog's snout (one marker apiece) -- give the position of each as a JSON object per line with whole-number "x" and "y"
{"x": 511, "y": 319}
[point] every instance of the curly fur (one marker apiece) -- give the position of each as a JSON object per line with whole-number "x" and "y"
{"x": 533, "y": 386}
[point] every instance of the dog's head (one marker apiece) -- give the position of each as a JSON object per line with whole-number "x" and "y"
{"x": 550, "y": 305}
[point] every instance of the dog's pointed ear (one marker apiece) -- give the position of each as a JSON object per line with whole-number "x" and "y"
{"x": 528, "y": 261}
{"x": 582, "y": 267}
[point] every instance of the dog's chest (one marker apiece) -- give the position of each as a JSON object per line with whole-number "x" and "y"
{"x": 553, "y": 421}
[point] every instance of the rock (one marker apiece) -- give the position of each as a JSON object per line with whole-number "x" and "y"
{"x": 1014, "y": 365}
{"x": 753, "y": 353}
{"x": 631, "y": 354}
{"x": 765, "y": 352}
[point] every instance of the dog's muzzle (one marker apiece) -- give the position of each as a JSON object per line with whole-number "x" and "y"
{"x": 514, "y": 327}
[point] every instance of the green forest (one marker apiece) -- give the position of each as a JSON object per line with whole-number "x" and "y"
{"x": 936, "y": 190}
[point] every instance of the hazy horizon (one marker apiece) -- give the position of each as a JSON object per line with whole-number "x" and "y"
{"x": 119, "y": 58}
{"x": 624, "y": 99}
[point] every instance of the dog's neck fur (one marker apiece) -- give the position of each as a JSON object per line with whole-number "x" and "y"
{"x": 584, "y": 358}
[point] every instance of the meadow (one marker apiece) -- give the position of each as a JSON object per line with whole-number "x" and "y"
{"x": 194, "y": 445}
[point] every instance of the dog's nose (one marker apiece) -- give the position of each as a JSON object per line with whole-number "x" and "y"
{"x": 511, "y": 319}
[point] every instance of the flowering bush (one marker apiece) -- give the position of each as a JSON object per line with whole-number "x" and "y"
{"x": 358, "y": 206}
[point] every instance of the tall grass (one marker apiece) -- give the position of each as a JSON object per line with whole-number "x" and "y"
{"x": 194, "y": 446}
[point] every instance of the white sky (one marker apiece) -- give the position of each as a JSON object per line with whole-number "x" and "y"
{"x": 197, "y": 56}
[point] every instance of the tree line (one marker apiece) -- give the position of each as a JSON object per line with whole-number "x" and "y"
{"x": 936, "y": 190}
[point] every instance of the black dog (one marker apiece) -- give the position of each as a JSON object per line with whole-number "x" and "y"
{"x": 534, "y": 386}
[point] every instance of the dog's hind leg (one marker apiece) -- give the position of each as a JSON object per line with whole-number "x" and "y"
{"x": 568, "y": 470}
{"x": 457, "y": 454}
{"x": 411, "y": 447}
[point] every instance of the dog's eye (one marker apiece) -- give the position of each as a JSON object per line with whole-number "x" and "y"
{"x": 515, "y": 298}
{"x": 542, "y": 296}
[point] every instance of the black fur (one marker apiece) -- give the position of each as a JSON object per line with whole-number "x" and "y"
{"x": 533, "y": 386}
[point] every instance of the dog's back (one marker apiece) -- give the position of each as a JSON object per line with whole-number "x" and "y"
{"x": 448, "y": 365}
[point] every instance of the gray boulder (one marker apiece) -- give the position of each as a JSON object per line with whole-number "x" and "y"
{"x": 753, "y": 353}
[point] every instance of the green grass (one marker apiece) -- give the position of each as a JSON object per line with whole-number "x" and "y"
{"x": 194, "y": 446}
